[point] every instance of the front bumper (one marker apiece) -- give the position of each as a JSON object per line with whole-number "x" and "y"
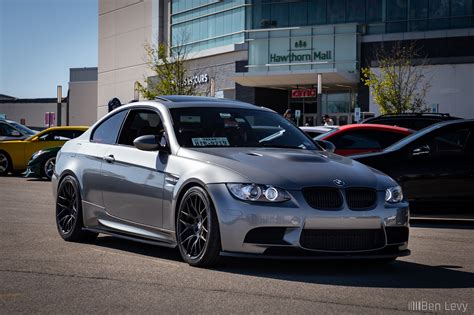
{"x": 240, "y": 223}
{"x": 33, "y": 170}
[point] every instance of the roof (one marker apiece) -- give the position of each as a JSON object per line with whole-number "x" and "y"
{"x": 376, "y": 127}
{"x": 4, "y": 97}
{"x": 31, "y": 100}
{"x": 67, "y": 128}
{"x": 183, "y": 101}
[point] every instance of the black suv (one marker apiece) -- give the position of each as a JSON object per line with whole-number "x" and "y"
{"x": 415, "y": 121}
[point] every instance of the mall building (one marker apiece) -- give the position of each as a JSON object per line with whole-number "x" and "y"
{"x": 270, "y": 52}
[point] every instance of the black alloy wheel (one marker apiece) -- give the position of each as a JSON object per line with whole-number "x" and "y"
{"x": 69, "y": 212}
{"x": 48, "y": 167}
{"x": 197, "y": 229}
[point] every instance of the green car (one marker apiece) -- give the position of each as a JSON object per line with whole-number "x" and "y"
{"x": 42, "y": 163}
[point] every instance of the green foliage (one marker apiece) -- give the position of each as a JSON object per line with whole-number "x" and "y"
{"x": 171, "y": 74}
{"x": 399, "y": 86}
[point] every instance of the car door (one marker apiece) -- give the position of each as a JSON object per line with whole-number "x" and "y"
{"x": 134, "y": 187}
{"x": 436, "y": 165}
{"x": 90, "y": 153}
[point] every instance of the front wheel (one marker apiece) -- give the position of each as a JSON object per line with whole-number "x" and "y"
{"x": 197, "y": 229}
{"x": 5, "y": 163}
{"x": 48, "y": 167}
{"x": 69, "y": 212}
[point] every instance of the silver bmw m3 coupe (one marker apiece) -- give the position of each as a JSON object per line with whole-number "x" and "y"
{"x": 223, "y": 178}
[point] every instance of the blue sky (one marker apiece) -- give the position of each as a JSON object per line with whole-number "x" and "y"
{"x": 40, "y": 40}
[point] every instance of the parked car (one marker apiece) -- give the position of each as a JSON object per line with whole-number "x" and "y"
{"x": 314, "y": 131}
{"x": 363, "y": 138}
{"x": 193, "y": 174}
{"x": 434, "y": 166}
{"x": 41, "y": 163}
{"x": 11, "y": 130}
{"x": 14, "y": 155}
{"x": 415, "y": 121}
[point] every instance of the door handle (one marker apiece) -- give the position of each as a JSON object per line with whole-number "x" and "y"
{"x": 109, "y": 158}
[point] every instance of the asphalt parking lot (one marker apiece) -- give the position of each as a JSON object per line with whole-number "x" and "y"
{"x": 39, "y": 272}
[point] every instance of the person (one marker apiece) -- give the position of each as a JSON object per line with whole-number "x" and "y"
{"x": 288, "y": 115}
{"x": 328, "y": 121}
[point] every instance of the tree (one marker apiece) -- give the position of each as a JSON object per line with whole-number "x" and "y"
{"x": 399, "y": 86}
{"x": 172, "y": 75}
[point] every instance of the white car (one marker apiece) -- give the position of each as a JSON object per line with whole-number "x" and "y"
{"x": 315, "y": 131}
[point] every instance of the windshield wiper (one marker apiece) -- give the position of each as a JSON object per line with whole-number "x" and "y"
{"x": 273, "y": 136}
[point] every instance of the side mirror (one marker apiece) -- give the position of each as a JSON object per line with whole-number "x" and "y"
{"x": 422, "y": 151}
{"x": 151, "y": 143}
{"x": 326, "y": 145}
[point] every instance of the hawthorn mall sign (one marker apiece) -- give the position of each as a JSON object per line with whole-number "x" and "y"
{"x": 326, "y": 48}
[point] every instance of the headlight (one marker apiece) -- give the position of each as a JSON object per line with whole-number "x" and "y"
{"x": 34, "y": 156}
{"x": 262, "y": 193}
{"x": 394, "y": 194}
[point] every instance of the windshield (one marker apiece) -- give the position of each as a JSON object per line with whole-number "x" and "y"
{"x": 234, "y": 127}
{"x": 22, "y": 128}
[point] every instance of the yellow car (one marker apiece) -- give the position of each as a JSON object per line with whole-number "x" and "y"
{"x": 14, "y": 155}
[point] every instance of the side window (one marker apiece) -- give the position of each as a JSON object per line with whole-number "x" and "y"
{"x": 355, "y": 140}
{"x": 108, "y": 130}
{"x": 140, "y": 122}
{"x": 448, "y": 142}
{"x": 6, "y": 130}
{"x": 61, "y": 135}
{"x": 451, "y": 141}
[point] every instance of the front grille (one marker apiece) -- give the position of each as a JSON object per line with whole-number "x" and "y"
{"x": 323, "y": 198}
{"x": 342, "y": 240}
{"x": 361, "y": 198}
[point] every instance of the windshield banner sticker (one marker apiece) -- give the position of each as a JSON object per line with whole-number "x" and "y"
{"x": 214, "y": 141}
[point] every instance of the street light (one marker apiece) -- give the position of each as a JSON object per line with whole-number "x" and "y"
{"x": 319, "y": 100}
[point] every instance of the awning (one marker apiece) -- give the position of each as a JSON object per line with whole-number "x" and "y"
{"x": 290, "y": 78}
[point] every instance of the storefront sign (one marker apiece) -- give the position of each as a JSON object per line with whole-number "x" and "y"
{"x": 309, "y": 48}
{"x": 197, "y": 79}
{"x": 301, "y": 57}
{"x": 300, "y": 93}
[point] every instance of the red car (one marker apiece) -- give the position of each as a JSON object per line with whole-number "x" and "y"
{"x": 364, "y": 138}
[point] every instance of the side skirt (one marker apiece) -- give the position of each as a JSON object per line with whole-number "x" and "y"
{"x": 130, "y": 237}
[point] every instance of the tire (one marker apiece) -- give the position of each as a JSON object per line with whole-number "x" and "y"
{"x": 46, "y": 170}
{"x": 5, "y": 163}
{"x": 197, "y": 229}
{"x": 69, "y": 212}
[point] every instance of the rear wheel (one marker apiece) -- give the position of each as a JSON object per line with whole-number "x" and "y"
{"x": 48, "y": 167}
{"x": 197, "y": 229}
{"x": 5, "y": 163}
{"x": 69, "y": 212}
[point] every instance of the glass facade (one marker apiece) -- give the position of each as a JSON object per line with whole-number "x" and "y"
{"x": 380, "y": 16}
{"x": 204, "y": 24}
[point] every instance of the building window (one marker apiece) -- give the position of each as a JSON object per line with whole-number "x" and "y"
{"x": 316, "y": 12}
{"x": 336, "y": 11}
{"x": 355, "y": 10}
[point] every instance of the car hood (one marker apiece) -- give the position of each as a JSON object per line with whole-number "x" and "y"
{"x": 290, "y": 168}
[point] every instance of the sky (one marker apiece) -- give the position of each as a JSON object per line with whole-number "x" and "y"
{"x": 40, "y": 40}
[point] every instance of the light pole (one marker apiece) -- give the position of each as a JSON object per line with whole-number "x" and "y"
{"x": 136, "y": 92}
{"x": 319, "y": 100}
{"x": 59, "y": 103}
